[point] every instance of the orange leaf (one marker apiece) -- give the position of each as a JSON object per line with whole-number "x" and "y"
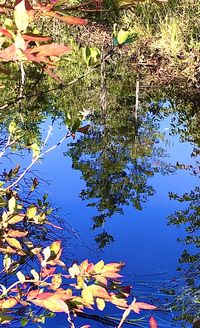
{"x": 153, "y": 323}
{"x": 137, "y": 306}
{"x": 18, "y": 217}
{"x": 67, "y": 19}
{"x": 52, "y": 304}
{"x": 33, "y": 294}
{"x": 36, "y": 37}
{"x": 55, "y": 77}
{"x": 111, "y": 275}
{"x": 16, "y": 233}
{"x": 119, "y": 302}
{"x": 101, "y": 279}
{"x": 99, "y": 291}
{"x": 7, "y": 250}
{"x": 52, "y": 49}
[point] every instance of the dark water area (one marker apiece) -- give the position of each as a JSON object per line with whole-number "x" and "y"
{"x": 142, "y": 238}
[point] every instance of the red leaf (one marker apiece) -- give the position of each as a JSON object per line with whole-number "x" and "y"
{"x": 47, "y": 272}
{"x": 52, "y": 49}
{"x": 33, "y": 294}
{"x": 111, "y": 275}
{"x": 153, "y": 323}
{"x": 6, "y": 32}
{"x": 35, "y": 37}
{"x": 55, "y": 77}
{"x": 137, "y": 306}
{"x": 67, "y": 19}
{"x": 8, "y": 54}
{"x": 90, "y": 268}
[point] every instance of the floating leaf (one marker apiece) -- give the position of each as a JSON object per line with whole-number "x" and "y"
{"x": 87, "y": 295}
{"x": 53, "y": 302}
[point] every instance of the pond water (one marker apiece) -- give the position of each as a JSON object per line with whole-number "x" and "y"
{"x": 125, "y": 182}
{"x": 140, "y": 236}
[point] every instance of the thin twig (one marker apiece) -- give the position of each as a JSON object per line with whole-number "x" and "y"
{"x": 36, "y": 159}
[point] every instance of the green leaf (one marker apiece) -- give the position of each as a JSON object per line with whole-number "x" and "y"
{"x": 86, "y": 55}
{"x": 24, "y": 322}
{"x": 5, "y": 319}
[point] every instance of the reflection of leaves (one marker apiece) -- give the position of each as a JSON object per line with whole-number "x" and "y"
{"x": 104, "y": 239}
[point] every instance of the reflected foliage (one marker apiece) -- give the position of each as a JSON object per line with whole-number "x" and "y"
{"x": 117, "y": 158}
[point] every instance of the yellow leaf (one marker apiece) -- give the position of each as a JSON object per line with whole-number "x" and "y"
{"x": 100, "y": 304}
{"x": 122, "y": 36}
{"x": 12, "y": 205}
{"x": 14, "y": 242}
{"x": 56, "y": 281}
{"x": 80, "y": 282}
{"x": 55, "y": 247}
{"x": 74, "y": 270}
{"x": 87, "y": 295}
{"x": 7, "y": 261}
{"x": 21, "y": 16}
{"x": 20, "y": 276}
{"x": 36, "y": 150}
{"x": 31, "y": 212}
{"x": 99, "y": 266}
{"x": 9, "y": 303}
